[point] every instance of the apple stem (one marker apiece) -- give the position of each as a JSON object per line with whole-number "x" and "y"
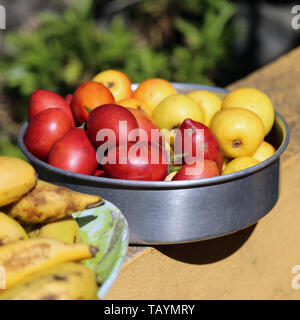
{"x": 173, "y": 168}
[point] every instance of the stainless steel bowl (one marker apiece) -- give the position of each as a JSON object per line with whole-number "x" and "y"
{"x": 184, "y": 211}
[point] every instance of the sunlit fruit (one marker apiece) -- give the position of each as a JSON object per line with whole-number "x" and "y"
{"x": 199, "y": 169}
{"x": 264, "y": 151}
{"x": 41, "y": 100}
{"x": 136, "y": 162}
{"x": 239, "y": 131}
{"x": 254, "y": 100}
{"x": 117, "y": 119}
{"x": 135, "y": 104}
{"x": 99, "y": 173}
{"x": 117, "y": 82}
{"x": 68, "y": 99}
{"x": 209, "y": 102}
{"x": 89, "y": 95}
{"x": 196, "y": 141}
{"x": 239, "y": 164}
{"x": 45, "y": 129}
{"x": 146, "y": 133}
{"x": 225, "y": 162}
{"x": 74, "y": 152}
{"x": 173, "y": 110}
{"x": 153, "y": 91}
{"x": 150, "y": 130}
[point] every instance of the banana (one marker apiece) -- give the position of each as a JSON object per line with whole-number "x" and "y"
{"x": 48, "y": 202}
{"x": 66, "y": 281}
{"x": 23, "y": 258}
{"x": 17, "y": 177}
{"x": 10, "y": 230}
{"x": 66, "y": 230}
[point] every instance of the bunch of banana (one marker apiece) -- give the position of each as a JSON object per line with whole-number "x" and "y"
{"x": 26, "y": 257}
{"x": 10, "y": 230}
{"x": 66, "y": 230}
{"x": 66, "y": 281}
{"x": 17, "y": 177}
{"x": 39, "y": 263}
{"x": 47, "y": 202}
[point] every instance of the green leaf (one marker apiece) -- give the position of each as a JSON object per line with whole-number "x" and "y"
{"x": 88, "y": 109}
{"x": 108, "y": 232}
{"x": 82, "y": 221}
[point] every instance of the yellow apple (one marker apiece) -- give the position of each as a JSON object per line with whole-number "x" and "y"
{"x": 209, "y": 102}
{"x": 225, "y": 162}
{"x": 265, "y": 151}
{"x": 253, "y": 100}
{"x": 173, "y": 110}
{"x": 239, "y": 131}
{"x": 239, "y": 164}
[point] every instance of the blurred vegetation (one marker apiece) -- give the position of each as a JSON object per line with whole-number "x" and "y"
{"x": 177, "y": 40}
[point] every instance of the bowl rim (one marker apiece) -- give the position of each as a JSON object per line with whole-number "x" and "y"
{"x": 138, "y": 184}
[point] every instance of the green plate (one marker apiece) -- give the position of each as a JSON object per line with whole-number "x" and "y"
{"x": 106, "y": 228}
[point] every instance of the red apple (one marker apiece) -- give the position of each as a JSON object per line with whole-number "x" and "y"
{"x": 41, "y": 100}
{"x": 138, "y": 164}
{"x": 147, "y": 125}
{"x": 68, "y": 99}
{"x": 44, "y": 129}
{"x": 210, "y": 145}
{"x": 99, "y": 173}
{"x": 199, "y": 169}
{"x": 109, "y": 116}
{"x": 89, "y": 95}
{"x": 74, "y": 152}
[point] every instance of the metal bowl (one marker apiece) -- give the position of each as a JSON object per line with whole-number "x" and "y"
{"x": 184, "y": 211}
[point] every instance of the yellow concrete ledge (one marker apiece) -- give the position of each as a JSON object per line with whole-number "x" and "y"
{"x": 255, "y": 263}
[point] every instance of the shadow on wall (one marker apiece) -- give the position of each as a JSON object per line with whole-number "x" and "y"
{"x": 264, "y": 32}
{"x": 208, "y": 251}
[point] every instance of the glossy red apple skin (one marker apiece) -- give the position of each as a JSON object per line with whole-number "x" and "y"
{"x": 109, "y": 116}
{"x": 44, "y": 130}
{"x": 41, "y": 100}
{"x": 145, "y": 123}
{"x": 74, "y": 152}
{"x": 99, "y": 173}
{"x": 200, "y": 171}
{"x": 211, "y": 146}
{"x": 138, "y": 167}
{"x": 68, "y": 99}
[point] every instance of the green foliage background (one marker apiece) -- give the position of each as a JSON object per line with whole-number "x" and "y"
{"x": 177, "y": 40}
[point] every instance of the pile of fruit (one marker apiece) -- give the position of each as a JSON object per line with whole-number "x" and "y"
{"x": 40, "y": 243}
{"x": 106, "y": 129}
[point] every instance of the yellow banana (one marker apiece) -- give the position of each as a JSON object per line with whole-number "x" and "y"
{"x": 23, "y": 258}
{"x": 66, "y": 281}
{"x": 10, "y": 230}
{"x": 48, "y": 202}
{"x": 17, "y": 177}
{"x": 66, "y": 230}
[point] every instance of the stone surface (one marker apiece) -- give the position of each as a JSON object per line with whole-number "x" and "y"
{"x": 255, "y": 263}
